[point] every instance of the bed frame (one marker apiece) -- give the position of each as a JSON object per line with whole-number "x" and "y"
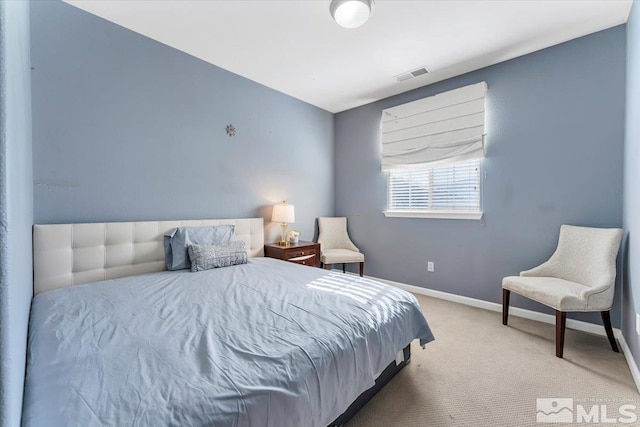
{"x": 73, "y": 254}
{"x": 389, "y": 372}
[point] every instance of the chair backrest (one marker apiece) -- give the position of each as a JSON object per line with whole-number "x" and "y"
{"x": 332, "y": 234}
{"x": 586, "y": 255}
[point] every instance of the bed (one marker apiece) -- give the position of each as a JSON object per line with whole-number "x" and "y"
{"x": 115, "y": 340}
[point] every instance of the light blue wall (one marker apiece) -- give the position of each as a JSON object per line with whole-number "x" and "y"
{"x": 126, "y": 128}
{"x": 16, "y": 205}
{"x": 555, "y": 135}
{"x": 631, "y": 303}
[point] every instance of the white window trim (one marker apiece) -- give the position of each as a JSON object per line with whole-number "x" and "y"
{"x": 427, "y": 212}
{"x": 434, "y": 214}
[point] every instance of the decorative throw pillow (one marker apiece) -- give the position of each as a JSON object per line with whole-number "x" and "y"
{"x": 176, "y": 242}
{"x": 223, "y": 255}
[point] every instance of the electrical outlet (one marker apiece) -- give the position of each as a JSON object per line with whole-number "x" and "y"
{"x": 430, "y": 266}
{"x": 638, "y": 323}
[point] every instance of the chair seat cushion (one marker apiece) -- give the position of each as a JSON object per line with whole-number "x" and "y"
{"x": 339, "y": 256}
{"x": 560, "y": 294}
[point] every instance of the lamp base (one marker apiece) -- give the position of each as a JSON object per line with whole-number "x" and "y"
{"x": 283, "y": 241}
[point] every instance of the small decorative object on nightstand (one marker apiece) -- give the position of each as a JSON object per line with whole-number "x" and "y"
{"x": 305, "y": 253}
{"x": 294, "y": 236}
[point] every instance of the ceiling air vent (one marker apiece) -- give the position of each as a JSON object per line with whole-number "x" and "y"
{"x": 411, "y": 74}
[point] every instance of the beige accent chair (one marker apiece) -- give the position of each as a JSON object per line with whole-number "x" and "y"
{"x": 335, "y": 245}
{"x": 579, "y": 276}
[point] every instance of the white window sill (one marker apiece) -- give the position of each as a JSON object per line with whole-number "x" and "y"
{"x": 434, "y": 215}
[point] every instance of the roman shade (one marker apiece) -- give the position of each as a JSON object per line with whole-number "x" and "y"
{"x": 444, "y": 128}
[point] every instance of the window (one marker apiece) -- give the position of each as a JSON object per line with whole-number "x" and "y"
{"x": 432, "y": 149}
{"x": 448, "y": 191}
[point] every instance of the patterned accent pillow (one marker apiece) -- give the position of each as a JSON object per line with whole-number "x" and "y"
{"x": 223, "y": 255}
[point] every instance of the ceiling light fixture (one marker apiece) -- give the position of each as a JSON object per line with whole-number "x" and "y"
{"x": 351, "y": 13}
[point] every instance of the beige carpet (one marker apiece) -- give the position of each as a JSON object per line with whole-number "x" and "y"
{"x": 480, "y": 373}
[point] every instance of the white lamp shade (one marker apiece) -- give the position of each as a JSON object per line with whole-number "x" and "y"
{"x": 283, "y": 213}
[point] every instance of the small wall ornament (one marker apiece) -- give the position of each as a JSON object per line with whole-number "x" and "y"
{"x": 231, "y": 130}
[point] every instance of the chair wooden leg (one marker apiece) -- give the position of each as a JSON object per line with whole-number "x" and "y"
{"x": 361, "y": 269}
{"x": 606, "y": 319}
{"x": 505, "y": 305}
{"x": 561, "y": 322}
{"x": 343, "y": 269}
{"x": 327, "y": 266}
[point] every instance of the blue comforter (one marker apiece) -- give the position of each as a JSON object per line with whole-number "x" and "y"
{"x": 268, "y": 343}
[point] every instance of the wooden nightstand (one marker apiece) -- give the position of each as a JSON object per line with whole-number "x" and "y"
{"x": 305, "y": 253}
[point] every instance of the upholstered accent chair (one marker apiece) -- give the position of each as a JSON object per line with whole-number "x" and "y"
{"x": 335, "y": 245}
{"x": 579, "y": 276}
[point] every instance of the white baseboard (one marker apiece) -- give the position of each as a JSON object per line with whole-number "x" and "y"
{"x": 492, "y": 306}
{"x": 527, "y": 314}
{"x": 633, "y": 367}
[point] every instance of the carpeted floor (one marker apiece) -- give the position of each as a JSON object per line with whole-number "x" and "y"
{"x": 480, "y": 373}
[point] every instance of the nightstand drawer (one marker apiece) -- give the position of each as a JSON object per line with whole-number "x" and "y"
{"x": 299, "y": 253}
{"x": 304, "y": 260}
{"x": 304, "y": 253}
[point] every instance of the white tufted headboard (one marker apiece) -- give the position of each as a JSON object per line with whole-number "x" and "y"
{"x": 72, "y": 254}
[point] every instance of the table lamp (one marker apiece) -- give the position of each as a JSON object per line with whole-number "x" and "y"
{"x": 284, "y": 214}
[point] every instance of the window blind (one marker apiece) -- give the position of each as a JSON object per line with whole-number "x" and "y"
{"x": 440, "y": 129}
{"x": 447, "y": 188}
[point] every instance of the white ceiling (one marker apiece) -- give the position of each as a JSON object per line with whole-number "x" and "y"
{"x": 295, "y": 47}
